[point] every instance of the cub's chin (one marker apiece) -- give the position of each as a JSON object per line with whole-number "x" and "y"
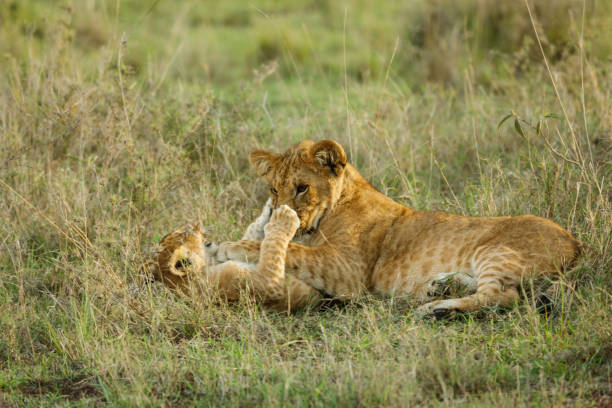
{"x": 311, "y": 227}
{"x": 304, "y": 232}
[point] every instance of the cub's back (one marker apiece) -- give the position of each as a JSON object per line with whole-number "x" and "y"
{"x": 452, "y": 239}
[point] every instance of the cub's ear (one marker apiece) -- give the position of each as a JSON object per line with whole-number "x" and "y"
{"x": 150, "y": 269}
{"x": 262, "y": 162}
{"x": 329, "y": 154}
{"x": 196, "y": 228}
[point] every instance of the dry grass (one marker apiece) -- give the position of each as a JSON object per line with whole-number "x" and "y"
{"x": 120, "y": 122}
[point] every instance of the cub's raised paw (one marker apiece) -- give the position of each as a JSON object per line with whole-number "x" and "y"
{"x": 268, "y": 209}
{"x": 284, "y": 218}
{"x": 265, "y": 215}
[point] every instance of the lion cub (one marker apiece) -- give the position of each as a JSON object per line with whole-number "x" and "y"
{"x": 355, "y": 239}
{"x": 185, "y": 262}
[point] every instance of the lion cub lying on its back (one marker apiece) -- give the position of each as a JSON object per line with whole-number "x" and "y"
{"x": 185, "y": 262}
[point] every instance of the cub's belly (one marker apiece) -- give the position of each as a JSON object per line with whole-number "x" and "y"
{"x": 413, "y": 276}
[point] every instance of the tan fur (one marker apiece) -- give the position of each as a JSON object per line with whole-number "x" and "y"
{"x": 187, "y": 264}
{"x": 353, "y": 239}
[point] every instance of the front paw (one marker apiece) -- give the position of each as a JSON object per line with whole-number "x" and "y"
{"x": 268, "y": 209}
{"x": 284, "y": 219}
{"x": 266, "y": 213}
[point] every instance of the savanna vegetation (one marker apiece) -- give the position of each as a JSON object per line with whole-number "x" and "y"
{"x": 121, "y": 120}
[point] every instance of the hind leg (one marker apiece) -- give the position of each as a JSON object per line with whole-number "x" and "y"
{"x": 490, "y": 295}
{"x": 499, "y": 272}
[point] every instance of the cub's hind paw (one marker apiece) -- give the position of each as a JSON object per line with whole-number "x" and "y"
{"x": 440, "y": 309}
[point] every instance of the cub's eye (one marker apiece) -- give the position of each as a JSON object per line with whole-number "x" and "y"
{"x": 302, "y": 188}
{"x": 274, "y": 191}
{"x": 208, "y": 244}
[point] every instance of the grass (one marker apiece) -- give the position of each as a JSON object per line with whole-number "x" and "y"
{"x": 122, "y": 120}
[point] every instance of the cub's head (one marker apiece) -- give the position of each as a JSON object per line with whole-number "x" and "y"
{"x": 308, "y": 178}
{"x": 180, "y": 255}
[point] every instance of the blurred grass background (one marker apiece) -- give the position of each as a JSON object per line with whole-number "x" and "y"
{"x": 121, "y": 120}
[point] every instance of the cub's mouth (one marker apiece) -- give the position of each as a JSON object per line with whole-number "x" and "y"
{"x": 183, "y": 263}
{"x": 311, "y": 227}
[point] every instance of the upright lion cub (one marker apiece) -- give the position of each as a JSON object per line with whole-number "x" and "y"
{"x": 355, "y": 239}
{"x": 186, "y": 262}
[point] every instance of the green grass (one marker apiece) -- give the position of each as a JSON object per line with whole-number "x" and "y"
{"x": 121, "y": 120}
